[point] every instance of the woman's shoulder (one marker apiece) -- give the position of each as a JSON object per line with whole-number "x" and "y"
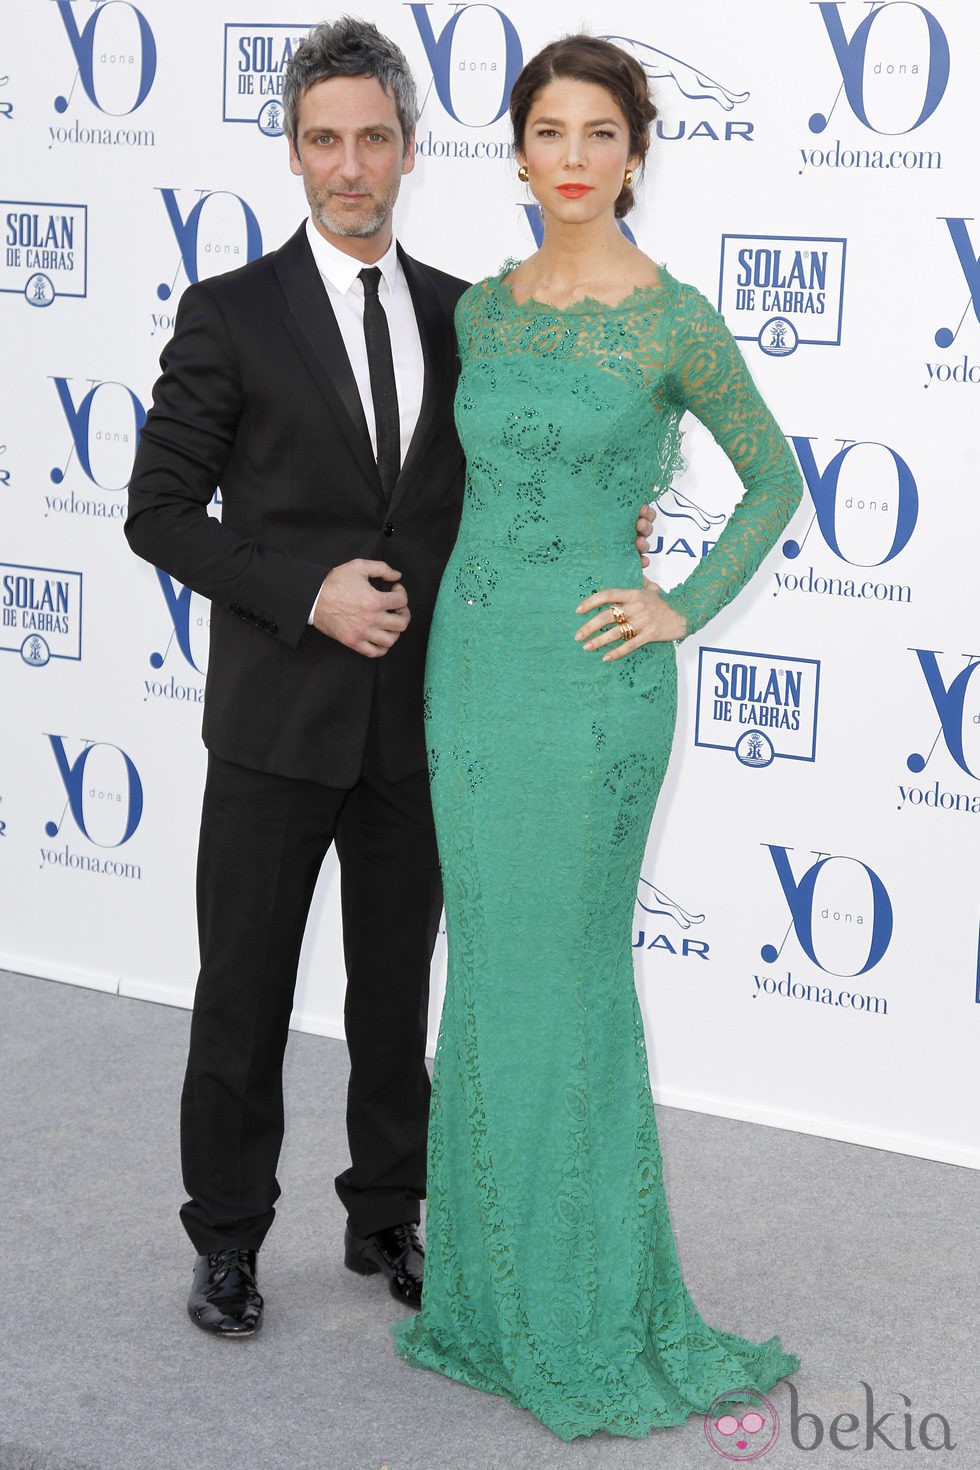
{"x": 479, "y": 297}
{"x": 690, "y": 301}
{"x": 487, "y": 283}
{"x": 490, "y": 285}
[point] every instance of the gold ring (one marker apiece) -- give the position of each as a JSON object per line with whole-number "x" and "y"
{"x": 626, "y": 629}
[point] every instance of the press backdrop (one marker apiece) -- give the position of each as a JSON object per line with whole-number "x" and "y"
{"x": 806, "y": 930}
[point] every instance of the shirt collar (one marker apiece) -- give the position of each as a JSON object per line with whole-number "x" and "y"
{"x": 341, "y": 269}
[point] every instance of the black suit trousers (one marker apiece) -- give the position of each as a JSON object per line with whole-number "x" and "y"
{"x": 263, "y": 839}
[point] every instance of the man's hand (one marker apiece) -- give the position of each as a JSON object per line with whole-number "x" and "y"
{"x": 357, "y": 614}
{"x": 644, "y": 528}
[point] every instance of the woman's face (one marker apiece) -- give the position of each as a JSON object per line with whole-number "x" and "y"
{"x": 576, "y": 150}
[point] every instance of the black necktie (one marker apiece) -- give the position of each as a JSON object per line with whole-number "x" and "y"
{"x": 382, "y": 371}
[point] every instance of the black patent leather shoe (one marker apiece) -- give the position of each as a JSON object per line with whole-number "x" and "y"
{"x": 224, "y": 1298}
{"x": 397, "y": 1252}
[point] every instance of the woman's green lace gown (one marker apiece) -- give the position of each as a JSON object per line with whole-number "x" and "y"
{"x": 551, "y": 1272}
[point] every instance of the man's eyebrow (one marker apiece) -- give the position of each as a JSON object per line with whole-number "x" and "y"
{"x": 326, "y": 127}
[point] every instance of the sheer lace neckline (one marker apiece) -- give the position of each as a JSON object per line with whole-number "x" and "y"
{"x": 588, "y": 305}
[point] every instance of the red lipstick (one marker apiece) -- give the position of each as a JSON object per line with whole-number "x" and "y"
{"x": 574, "y": 191}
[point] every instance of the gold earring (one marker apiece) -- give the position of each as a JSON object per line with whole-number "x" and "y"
{"x": 628, "y": 179}
{"x": 523, "y": 174}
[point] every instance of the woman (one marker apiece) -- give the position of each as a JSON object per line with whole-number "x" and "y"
{"x": 551, "y": 1273}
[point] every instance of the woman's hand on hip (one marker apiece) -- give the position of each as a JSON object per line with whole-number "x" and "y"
{"x": 626, "y": 618}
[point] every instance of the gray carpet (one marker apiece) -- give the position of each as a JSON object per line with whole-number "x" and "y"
{"x": 864, "y": 1261}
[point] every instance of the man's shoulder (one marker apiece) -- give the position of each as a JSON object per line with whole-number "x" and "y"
{"x": 258, "y": 274}
{"x": 444, "y": 279}
{"x": 447, "y": 286}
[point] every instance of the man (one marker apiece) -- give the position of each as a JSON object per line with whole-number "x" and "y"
{"x": 320, "y": 399}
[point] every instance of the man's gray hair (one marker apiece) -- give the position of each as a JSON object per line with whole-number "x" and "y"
{"x": 349, "y": 48}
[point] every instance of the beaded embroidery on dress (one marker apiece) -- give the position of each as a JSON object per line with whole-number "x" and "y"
{"x": 551, "y": 1271}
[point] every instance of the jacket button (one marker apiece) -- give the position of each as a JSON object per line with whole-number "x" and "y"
{"x": 389, "y": 529}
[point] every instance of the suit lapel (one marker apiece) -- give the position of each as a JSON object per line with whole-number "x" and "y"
{"x": 437, "y": 348}
{"x": 313, "y": 327}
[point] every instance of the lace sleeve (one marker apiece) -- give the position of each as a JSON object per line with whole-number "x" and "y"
{"x": 706, "y": 373}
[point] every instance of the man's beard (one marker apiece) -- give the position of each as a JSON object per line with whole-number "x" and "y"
{"x": 352, "y": 224}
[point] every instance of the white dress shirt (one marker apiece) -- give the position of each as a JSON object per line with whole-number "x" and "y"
{"x": 339, "y": 273}
{"x": 345, "y": 292}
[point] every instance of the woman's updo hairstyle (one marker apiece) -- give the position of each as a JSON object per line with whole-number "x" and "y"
{"x": 589, "y": 59}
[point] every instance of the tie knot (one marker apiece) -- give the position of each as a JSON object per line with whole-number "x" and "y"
{"x": 371, "y": 278}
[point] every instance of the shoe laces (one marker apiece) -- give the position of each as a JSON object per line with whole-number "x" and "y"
{"x": 220, "y": 1263}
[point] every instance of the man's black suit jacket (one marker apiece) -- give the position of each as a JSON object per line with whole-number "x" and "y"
{"x": 257, "y": 396}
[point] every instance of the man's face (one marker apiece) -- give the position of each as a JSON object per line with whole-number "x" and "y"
{"x": 351, "y": 154}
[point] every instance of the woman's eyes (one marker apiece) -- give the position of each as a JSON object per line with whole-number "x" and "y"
{"x": 604, "y": 133}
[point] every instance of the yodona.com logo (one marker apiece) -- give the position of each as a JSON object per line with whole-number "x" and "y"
{"x": 190, "y": 623}
{"x": 41, "y": 613}
{"x": 695, "y": 86}
{"x": 103, "y": 798}
{"x": 959, "y": 370}
{"x": 894, "y": 63}
{"x": 45, "y": 250}
{"x": 783, "y": 291}
{"x": 840, "y": 912}
{"x": 256, "y": 57}
{"x": 865, "y": 505}
{"x": 955, "y": 695}
{"x": 761, "y": 706}
{"x": 842, "y": 920}
{"x": 115, "y": 58}
{"x": 218, "y": 232}
{"x": 474, "y": 54}
{"x": 104, "y": 422}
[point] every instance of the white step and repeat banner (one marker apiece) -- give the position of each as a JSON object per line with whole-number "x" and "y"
{"x": 807, "y": 924}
